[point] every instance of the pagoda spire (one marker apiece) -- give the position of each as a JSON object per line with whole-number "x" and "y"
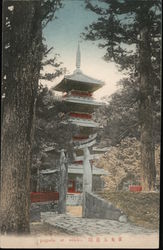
{"x": 78, "y": 57}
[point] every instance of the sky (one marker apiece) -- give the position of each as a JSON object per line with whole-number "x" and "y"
{"x": 63, "y": 34}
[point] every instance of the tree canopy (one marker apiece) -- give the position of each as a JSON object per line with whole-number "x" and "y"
{"x": 118, "y": 30}
{"x": 130, "y": 33}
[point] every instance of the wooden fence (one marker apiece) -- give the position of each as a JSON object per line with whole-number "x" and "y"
{"x": 135, "y": 188}
{"x": 44, "y": 196}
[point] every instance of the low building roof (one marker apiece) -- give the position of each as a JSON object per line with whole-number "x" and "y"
{"x": 49, "y": 171}
{"x": 78, "y": 169}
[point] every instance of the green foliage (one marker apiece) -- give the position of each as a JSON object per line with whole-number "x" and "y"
{"x": 43, "y": 14}
{"x": 118, "y": 29}
{"x": 123, "y": 162}
{"x": 50, "y": 129}
{"x": 120, "y": 115}
{"x": 48, "y": 9}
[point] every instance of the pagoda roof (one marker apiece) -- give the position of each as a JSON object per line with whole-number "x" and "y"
{"x": 80, "y": 77}
{"x": 78, "y": 81}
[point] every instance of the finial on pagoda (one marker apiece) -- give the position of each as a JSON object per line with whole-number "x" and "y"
{"x": 78, "y": 57}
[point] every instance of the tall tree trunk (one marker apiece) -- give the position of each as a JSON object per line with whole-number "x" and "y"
{"x": 146, "y": 114}
{"x": 18, "y": 116}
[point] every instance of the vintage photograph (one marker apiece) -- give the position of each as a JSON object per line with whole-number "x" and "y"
{"x": 80, "y": 124}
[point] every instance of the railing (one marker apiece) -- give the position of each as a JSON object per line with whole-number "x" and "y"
{"x": 78, "y": 162}
{"x": 80, "y": 137}
{"x": 81, "y": 161}
{"x": 82, "y": 116}
{"x": 78, "y": 93}
{"x": 48, "y": 196}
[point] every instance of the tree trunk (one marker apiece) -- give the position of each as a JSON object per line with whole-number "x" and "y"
{"x": 38, "y": 180}
{"x": 146, "y": 114}
{"x": 18, "y": 116}
{"x": 63, "y": 183}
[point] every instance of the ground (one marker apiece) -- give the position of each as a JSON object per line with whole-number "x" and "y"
{"x": 60, "y": 231}
{"x": 75, "y": 211}
{"x": 42, "y": 228}
{"x": 142, "y": 208}
{"x": 63, "y": 230}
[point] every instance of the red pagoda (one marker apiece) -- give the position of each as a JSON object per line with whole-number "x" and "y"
{"x": 78, "y": 90}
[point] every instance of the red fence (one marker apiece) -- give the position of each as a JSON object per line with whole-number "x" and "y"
{"x": 44, "y": 196}
{"x": 135, "y": 188}
{"x": 78, "y": 162}
{"x": 81, "y": 162}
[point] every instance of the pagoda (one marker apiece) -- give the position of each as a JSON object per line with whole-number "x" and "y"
{"x": 78, "y": 90}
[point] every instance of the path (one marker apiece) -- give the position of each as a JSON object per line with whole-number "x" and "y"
{"x": 84, "y": 226}
{"x": 66, "y": 231}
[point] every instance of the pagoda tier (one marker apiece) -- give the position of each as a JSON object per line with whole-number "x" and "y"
{"x": 87, "y": 131}
{"x": 80, "y": 101}
{"x": 83, "y": 122}
{"x": 85, "y": 119}
{"x": 79, "y": 115}
{"x": 85, "y": 101}
{"x": 76, "y": 107}
{"x": 78, "y": 81}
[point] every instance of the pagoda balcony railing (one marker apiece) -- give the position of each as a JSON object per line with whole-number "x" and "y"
{"x": 84, "y": 138}
{"x": 80, "y": 137}
{"x": 83, "y": 122}
{"x": 78, "y": 97}
{"x": 81, "y": 119}
{"x": 80, "y": 94}
{"x": 81, "y": 115}
{"x": 81, "y": 100}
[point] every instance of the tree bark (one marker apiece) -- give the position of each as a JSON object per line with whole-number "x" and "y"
{"x": 146, "y": 114}
{"x": 18, "y": 116}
